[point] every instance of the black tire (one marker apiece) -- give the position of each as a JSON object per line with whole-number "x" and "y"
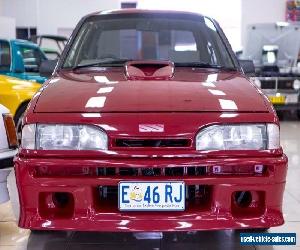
{"x": 18, "y": 119}
{"x": 298, "y": 114}
{"x": 280, "y": 115}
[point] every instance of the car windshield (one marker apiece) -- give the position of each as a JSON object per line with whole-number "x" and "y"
{"x": 116, "y": 39}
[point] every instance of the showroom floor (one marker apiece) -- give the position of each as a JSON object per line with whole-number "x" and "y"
{"x": 11, "y": 237}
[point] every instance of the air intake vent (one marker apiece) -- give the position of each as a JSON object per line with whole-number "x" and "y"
{"x": 156, "y": 143}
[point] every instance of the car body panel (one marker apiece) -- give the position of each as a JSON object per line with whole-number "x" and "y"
{"x": 189, "y": 90}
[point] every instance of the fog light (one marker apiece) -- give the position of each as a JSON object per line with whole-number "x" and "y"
{"x": 60, "y": 199}
{"x": 243, "y": 198}
{"x": 216, "y": 169}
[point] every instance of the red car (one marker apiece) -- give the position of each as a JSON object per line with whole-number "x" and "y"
{"x": 149, "y": 123}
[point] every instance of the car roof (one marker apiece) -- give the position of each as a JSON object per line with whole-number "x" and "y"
{"x": 53, "y": 37}
{"x": 19, "y": 41}
{"x": 145, "y": 11}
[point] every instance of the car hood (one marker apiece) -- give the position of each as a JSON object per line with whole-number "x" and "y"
{"x": 189, "y": 90}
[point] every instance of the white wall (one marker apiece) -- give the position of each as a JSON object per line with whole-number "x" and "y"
{"x": 8, "y": 27}
{"x": 261, "y": 11}
{"x": 50, "y": 16}
{"x": 62, "y": 14}
{"x": 23, "y": 11}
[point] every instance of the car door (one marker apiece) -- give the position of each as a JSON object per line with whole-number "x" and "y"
{"x": 5, "y": 57}
{"x": 32, "y": 57}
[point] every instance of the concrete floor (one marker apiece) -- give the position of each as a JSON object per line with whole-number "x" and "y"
{"x": 12, "y": 238}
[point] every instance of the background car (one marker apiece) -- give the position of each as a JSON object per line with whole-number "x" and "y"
{"x": 15, "y": 95}
{"x": 51, "y": 45}
{"x": 21, "y": 59}
{"x": 274, "y": 49}
{"x": 8, "y": 145}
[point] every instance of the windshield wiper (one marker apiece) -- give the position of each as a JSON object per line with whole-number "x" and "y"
{"x": 103, "y": 63}
{"x": 204, "y": 65}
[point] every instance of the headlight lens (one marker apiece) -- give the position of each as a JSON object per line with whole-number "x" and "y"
{"x": 63, "y": 137}
{"x": 239, "y": 137}
{"x": 257, "y": 82}
{"x": 296, "y": 84}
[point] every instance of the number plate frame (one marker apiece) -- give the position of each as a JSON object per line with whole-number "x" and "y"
{"x": 152, "y": 209}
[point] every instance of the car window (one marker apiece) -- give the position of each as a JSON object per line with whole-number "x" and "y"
{"x": 5, "y": 56}
{"x": 32, "y": 58}
{"x": 51, "y": 55}
{"x": 147, "y": 38}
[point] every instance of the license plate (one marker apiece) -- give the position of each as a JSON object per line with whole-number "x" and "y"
{"x": 277, "y": 99}
{"x": 151, "y": 196}
{"x": 291, "y": 98}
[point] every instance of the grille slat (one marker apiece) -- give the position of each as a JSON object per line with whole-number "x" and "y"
{"x": 285, "y": 84}
{"x": 168, "y": 171}
{"x": 268, "y": 84}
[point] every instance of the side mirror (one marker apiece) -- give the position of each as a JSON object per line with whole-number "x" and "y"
{"x": 47, "y": 67}
{"x": 248, "y": 67}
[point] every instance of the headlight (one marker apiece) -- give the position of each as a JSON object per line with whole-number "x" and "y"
{"x": 296, "y": 84}
{"x": 256, "y": 81}
{"x": 239, "y": 137}
{"x": 63, "y": 137}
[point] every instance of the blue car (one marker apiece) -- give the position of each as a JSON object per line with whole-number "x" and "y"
{"x": 21, "y": 59}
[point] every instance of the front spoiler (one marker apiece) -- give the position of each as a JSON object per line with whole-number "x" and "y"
{"x": 86, "y": 216}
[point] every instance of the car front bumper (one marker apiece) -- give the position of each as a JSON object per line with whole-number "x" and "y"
{"x": 86, "y": 212}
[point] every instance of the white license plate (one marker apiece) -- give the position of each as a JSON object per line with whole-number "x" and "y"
{"x": 151, "y": 196}
{"x": 291, "y": 98}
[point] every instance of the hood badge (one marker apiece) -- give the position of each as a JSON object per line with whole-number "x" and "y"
{"x": 149, "y": 128}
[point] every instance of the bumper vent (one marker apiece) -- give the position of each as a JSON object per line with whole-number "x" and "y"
{"x": 174, "y": 171}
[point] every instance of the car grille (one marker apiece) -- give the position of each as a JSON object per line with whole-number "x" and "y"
{"x": 153, "y": 143}
{"x": 281, "y": 84}
{"x": 265, "y": 84}
{"x": 285, "y": 84}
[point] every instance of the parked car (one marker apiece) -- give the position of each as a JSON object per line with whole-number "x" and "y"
{"x": 51, "y": 54}
{"x": 8, "y": 145}
{"x": 15, "y": 94}
{"x": 149, "y": 123}
{"x": 21, "y": 59}
{"x": 275, "y": 50}
{"x": 52, "y": 45}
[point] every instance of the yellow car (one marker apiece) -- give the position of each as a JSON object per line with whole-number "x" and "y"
{"x": 15, "y": 94}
